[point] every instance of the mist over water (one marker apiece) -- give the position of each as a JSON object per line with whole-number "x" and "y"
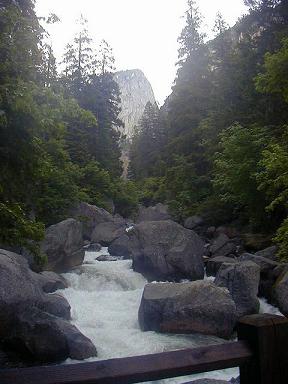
{"x": 105, "y": 298}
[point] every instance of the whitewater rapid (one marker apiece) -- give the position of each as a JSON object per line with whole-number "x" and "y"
{"x": 105, "y": 297}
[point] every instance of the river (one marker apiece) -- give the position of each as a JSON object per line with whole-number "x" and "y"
{"x": 105, "y": 297}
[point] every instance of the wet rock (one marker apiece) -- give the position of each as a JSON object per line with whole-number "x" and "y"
{"x": 123, "y": 246}
{"x": 63, "y": 245}
{"x": 242, "y": 280}
{"x": 197, "y": 307}
{"x": 214, "y": 264}
{"x": 50, "y": 281}
{"x": 158, "y": 212}
{"x": 56, "y": 305}
{"x": 164, "y": 250}
{"x": 28, "y": 325}
{"x": 42, "y": 337}
{"x": 18, "y": 288}
{"x": 106, "y": 258}
{"x": 94, "y": 247}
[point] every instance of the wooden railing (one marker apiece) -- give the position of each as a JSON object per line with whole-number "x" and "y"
{"x": 261, "y": 353}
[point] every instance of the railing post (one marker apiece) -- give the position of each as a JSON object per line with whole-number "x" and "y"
{"x": 267, "y": 336}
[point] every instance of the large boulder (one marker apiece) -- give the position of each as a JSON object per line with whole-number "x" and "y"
{"x": 32, "y": 322}
{"x": 56, "y": 305}
{"x": 17, "y": 288}
{"x": 242, "y": 280}
{"x": 164, "y": 250}
{"x": 90, "y": 216}
{"x": 280, "y": 293}
{"x": 50, "y": 281}
{"x": 93, "y": 247}
{"x": 269, "y": 253}
{"x": 264, "y": 263}
{"x": 214, "y": 264}
{"x": 39, "y": 336}
{"x": 267, "y": 273}
{"x": 106, "y": 233}
{"x": 122, "y": 246}
{"x": 193, "y": 222}
{"x": 63, "y": 245}
{"x": 197, "y": 307}
{"x": 158, "y": 212}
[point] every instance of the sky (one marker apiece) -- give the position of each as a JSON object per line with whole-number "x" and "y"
{"x": 143, "y": 33}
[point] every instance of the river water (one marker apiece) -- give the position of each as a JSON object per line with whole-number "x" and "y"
{"x": 105, "y": 297}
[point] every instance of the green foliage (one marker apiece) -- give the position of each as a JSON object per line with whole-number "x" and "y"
{"x": 273, "y": 177}
{"x": 149, "y": 139}
{"x": 125, "y": 198}
{"x": 236, "y": 167}
{"x": 17, "y": 230}
{"x": 281, "y": 239}
{"x": 274, "y": 79}
{"x": 151, "y": 190}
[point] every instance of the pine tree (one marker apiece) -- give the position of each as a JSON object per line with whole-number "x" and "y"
{"x": 77, "y": 59}
{"x": 191, "y": 37}
{"x": 220, "y": 25}
{"x": 104, "y": 60}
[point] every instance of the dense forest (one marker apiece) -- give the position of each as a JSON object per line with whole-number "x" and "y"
{"x": 218, "y": 147}
{"x": 58, "y": 142}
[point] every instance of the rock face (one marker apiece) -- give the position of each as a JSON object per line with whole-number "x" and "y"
{"x": 63, "y": 245}
{"x": 136, "y": 92}
{"x": 164, "y": 250}
{"x": 157, "y": 213}
{"x": 32, "y": 323}
{"x": 242, "y": 280}
{"x": 197, "y": 307}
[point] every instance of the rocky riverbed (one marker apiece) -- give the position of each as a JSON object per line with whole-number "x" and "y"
{"x": 158, "y": 285}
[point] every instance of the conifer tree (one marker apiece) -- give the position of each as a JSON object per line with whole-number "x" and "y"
{"x": 191, "y": 37}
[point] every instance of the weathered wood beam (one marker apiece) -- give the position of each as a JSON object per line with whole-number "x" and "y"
{"x": 135, "y": 369}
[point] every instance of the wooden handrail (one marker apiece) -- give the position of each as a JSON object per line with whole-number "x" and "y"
{"x": 261, "y": 353}
{"x": 135, "y": 369}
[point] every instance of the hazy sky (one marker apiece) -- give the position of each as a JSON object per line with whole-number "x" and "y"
{"x": 143, "y": 33}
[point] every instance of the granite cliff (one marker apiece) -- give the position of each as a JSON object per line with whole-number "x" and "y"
{"x": 136, "y": 91}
